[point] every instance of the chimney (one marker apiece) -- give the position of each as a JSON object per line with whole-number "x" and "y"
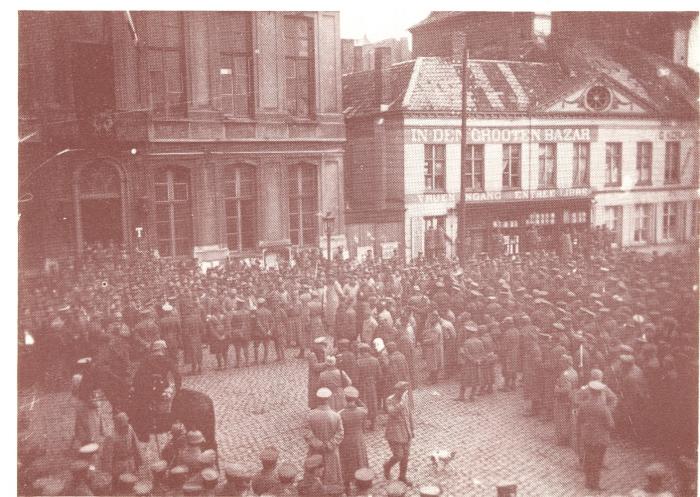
{"x": 382, "y": 61}
{"x": 357, "y": 63}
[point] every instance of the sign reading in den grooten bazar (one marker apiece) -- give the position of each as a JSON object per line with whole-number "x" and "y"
{"x": 557, "y": 134}
{"x": 502, "y": 196}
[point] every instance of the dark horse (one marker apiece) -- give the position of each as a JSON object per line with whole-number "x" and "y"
{"x": 195, "y": 410}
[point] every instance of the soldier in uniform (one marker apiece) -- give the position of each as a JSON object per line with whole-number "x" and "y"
{"x": 487, "y": 367}
{"x": 594, "y": 424}
{"x": 146, "y": 332}
{"x": 312, "y": 483}
{"x": 346, "y": 359}
{"x": 399, "y": 431}
{"x": 335, "y": 380}
{"x": 240, "y": 325}
{"x": 262, "y": 330}
{"x": 323, "y": 435}
{"x": 266, "y": 481}
{"x": 192, "y": 332}
{"x": 471, "y": 355}
{"x": 353, "y": 451}
{"x": 510, "y": 347}
{"x": 564, "y": 389}
{"x": 170, "y": 331}
{"x": 368, "y": 376}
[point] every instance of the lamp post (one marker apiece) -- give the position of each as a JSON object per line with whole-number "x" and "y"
{"x": 461, "y": 222}
{"x": 328, "y": 224}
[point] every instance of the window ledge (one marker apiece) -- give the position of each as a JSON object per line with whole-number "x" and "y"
{"x": 645, "y": 183}
{"x": 435, "y": 192}
{"x": 511, "y": 188}
{"x": 582, "y": 185}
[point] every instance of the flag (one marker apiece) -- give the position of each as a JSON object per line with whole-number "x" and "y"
{"x": 132, "y": 27}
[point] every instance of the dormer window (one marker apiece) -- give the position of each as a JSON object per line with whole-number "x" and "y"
{"x": 598, "y": 98}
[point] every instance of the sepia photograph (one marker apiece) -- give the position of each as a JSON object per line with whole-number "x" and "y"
{"x": 378, "y": 251}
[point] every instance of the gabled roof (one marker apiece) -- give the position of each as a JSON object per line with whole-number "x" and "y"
{"x": 433, "y": 84}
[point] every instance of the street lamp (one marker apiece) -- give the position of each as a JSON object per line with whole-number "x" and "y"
{"x": 328, "y": 223}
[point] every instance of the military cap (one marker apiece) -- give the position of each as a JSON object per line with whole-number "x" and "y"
{"x": 351, "y": 392}
{"x": 89, "y": 449}
{"x": 627, "y": 358}
{"x": 269, "y": 454}
{"x": 363, "y": 346}
{"x": 595, "y": 296}
{"x": 559, "y": 326}
{"x": 207, "y": 457}
{"x": 655, "y": 471}
{"x": 429, "y": 491}
{"x": 143, "y": 488}
{"x": 313, "y": 462}
{"x": 508, "y": 320}
{"x": 321, "y": 341}
{"x": 195, "y": 437}
{"x": 159, "y": 466}
{"x": 192, "y": 488}
{"x": 287, "y": 471}
{"x": 625, "y": 349}
{"x": 401, "y": 385}
{"x": 209, "y": 474}
{"x": 396, "y": 488}
{"x": 238, "y": 472}
{"x": 324, "y": 393}
{"x": 364, "y": 475}
{"x": 127, "y": 479}
{"x": 596, "y": 385}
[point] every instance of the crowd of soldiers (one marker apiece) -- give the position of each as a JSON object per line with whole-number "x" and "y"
{"x": 602, "y": 344}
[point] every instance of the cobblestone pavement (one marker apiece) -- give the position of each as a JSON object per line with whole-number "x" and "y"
{"x": 265, "y": 405}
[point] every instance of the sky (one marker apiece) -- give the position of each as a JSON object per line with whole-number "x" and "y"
{"x": 385, "y": 21}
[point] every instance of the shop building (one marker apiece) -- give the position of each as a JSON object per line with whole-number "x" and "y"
{"x": 609, "y": 138}
{"x": 211, "y": 134}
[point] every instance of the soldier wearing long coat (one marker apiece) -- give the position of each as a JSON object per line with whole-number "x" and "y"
{"x": 323, "y": 435}
{"x": 353, "y": 451}
{"x": 368, "y": 376}
{"x": 565, "y": 388}
{"x": 317, "y": 363}
{"x": 192, "y": 331}
{"x": 510, "y": 349}
{"x": 432, "y": 346}
{"x": 335, "y": 380}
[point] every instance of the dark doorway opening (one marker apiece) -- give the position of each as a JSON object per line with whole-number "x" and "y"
{"x": 101, "y": 221}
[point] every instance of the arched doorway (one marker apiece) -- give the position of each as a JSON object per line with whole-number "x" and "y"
{"x": 173, "y": 212}
{"x": 100, "y": 194}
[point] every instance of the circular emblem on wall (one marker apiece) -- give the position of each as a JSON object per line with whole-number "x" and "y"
{"x": 598, "y": 98}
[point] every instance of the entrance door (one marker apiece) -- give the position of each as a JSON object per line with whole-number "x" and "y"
{"x": 101, "y": 220}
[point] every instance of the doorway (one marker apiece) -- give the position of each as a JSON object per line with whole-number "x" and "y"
{"x": 101, "y": 221}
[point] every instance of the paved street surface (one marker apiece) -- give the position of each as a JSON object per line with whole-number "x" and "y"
{"x": 265, "y": 406}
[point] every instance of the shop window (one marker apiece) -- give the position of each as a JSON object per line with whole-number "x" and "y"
{"x": 541, "y": 218}
{"x": 511, "y": 165}
{"x": 672, "y": 171}
{"x": 548, "y": 165}
{"x": 161, "y": 54}
{"x": 644, "y": 158}
{"x": 434, "y": 167}
{"x": 672, "y": 226}
{"x": 582, "y": 162}
{"x": 613, "y": 164}
{"x": 574, "y": 217}
{"x": 239, "y": 201}
{"x": 474, "y": 168}
{"x": 233, "y": 33}
{"x": 298, "y": 65}
{"x": 303, "y": 205}
{"x": 643, "y": 223}
{"x": 173, "y": 212}
{"x": 612, "y": 215}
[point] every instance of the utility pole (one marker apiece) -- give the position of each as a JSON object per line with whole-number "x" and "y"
{"x": 461, "y": 212}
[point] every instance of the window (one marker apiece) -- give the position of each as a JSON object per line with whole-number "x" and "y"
{"x": 161, "y": 58}
{"x": 613, "y": 220}
{"x": 541, "y": 218}
{"x": 643, "y": 223}
{"x": 613, "y": 164}
{"x": 434, "y": 167}
{"x": 173, "y": 212}
{"x": 239, "y": 201}
{"x": 574, "y": 217}
{"x": 511, "y": 165}
{"x": 582, "y": 162}
{"x": 644, "y": 163}
{"x": 548, "y": 165}
{"x": 673, "y": 221}
{"x": 234, "y": 63}
{"x": 474, "y": 168}
{"x": 298, "y": 50}
{"x": 672, "y": 171}
{"x": 303, "y": 205}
